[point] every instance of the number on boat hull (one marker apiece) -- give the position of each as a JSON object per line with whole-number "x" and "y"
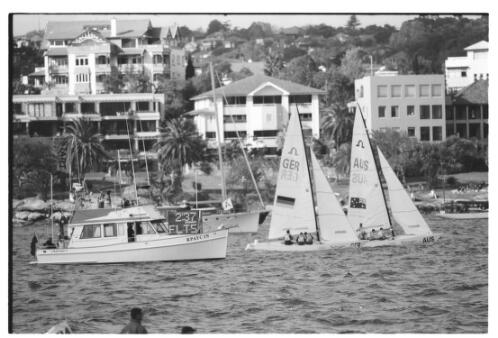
{"x": 428, "y": 239}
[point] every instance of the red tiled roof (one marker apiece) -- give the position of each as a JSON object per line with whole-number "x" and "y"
{"x": 476, "y": 93}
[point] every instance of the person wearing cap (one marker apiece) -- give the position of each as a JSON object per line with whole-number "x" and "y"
{"x": 288, "y": 238}
{"x": 135, "y": 325}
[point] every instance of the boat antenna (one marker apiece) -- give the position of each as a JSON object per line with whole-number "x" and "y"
{"x": 131, "y": 158}
{"x": 376, "y": 167}
{"x": 309, "y": 175}
{"x": 243, "y": 149}
{"x": 218, "y": 136}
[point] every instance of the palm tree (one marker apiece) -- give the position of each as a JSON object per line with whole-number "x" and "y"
{"x": 338, "y": 124}
{"x": 84, "y": 146}
{"x": 180, "y": 145}
{"x": 342, "y": 160}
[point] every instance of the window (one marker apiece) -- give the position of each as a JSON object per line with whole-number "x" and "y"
{"x": 425, "y": 112}
{"x": 395, "y": 91}
{"x": 450, "y": 130}
{"x": 146, "y": 126}
{"x": 157, "y": 59}
{"x": 424, "y": 90}
{"x": 449, "y": 112}
{"x": 102, "y": 60}
{"x": 381, "y": 91}
{"x": 60, "y": 79}
{"x": 267, "y": 99}
{"x": 463, "y": 73}
{"x": 382, "y": 111}
{"x": 142, "y": 106}
{"x": 306, "y": 117}
{"x": 461, "y": 112}
{"x": 18, "y": 109}
{"x": 233, "y": 134}
{"x": 122, "y": 60}
{"x": 82, "y": 77}
{"x": 148, "y": 229}
{"x": 485, "y": 111}
{"x": 136, "y": 59}
{"x": 110, "y": 230}
{"x": 410, "y": 91}
{"x": 437, "y": 111}
{"x": 437, "y": 133}
{"x": 300, "y": 99}
{"x": 425, "y": 133}
{"x": 70, "y": 107}
{"x": 91, "y": 231}
{"x": 265, "y": 133}
{"x": 394, "y": 111}
{"x": 160, "y": 227}
{"x": 128, "y": 43}
{"x": 234, "y": 119}
{"x": 410, "y": 110}
{"x": 436, "y": 90}
{"x": 87, "y": 108}
{"x": 411, "y": 131}
{"x": 461, "y": 130}
{"x": 81, "y": 61}
{"x": 235, "y": 100}
{"x": 361, "y": 91}
{"x": 210, "y": 134}
{"x": 474, "y": 112}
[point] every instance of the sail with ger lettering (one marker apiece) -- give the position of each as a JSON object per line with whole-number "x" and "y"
{"x": 366, "y": 200}
{"x": 404, "y": 211}
{"x": 332, "y": 222}
{"x": 293, "y": 204}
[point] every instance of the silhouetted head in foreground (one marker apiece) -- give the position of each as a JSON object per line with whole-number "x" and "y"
{"x": 188, "y": 329}
{"x": 136, "y": 314}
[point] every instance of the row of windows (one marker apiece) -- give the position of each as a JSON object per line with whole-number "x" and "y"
{"x": 112, "y": 229}
{"x": 464, "y": 112}
{"x": 241, "y": 100}
{"x": 124, "y": 60}
{"x": 235, "y": 100}
{"x": 234, "y": 118}
{"x": 425, "y": 132}
{"x": 425, "y": 111}
{"x": 274, "y": 99}
{"x": 396, "y": 91}
{"x": 81, "y": 61}
{"x": 232, "y": 134}
{"x": 83, "y": 77}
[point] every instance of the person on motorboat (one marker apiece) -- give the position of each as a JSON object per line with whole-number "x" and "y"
{"x": 49, "y": 244}
{"x": 131, "y": 233}
{"x": 135, "y": 324}
{"x": 308, "y": 238}
{"x": 300, "y": 239}
{"x": 288, "y": 238}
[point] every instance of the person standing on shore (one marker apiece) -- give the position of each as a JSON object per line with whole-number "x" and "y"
{"x": 135, "y": 325}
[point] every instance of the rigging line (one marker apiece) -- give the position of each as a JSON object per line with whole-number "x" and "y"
{"x": 145, "y": 154}
{"x": 131, "y": 159}
{"x": 376, "y": 168}
{"x": 242, "y": 148}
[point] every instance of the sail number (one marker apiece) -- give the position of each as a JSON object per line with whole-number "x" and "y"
{"x": 290, "y": 169}
{"x": 358, "y": 178}
{"x": 428, "y": 239}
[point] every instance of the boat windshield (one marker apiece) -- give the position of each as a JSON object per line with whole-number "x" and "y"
{"x": 159, "y": 226}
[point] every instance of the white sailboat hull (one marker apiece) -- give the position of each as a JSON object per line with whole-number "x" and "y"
{"x": 280, "y": 246}
{"x": 239, "y": 222}
{"x": 465, "y": 215}
{"x": 401, "y": 240}
{"x": 211, "y": 245}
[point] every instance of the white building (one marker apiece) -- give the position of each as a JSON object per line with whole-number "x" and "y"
{"x": 411, "y": 104}
{"x": 258, "y": 108}
{"x": 461, "y": 71}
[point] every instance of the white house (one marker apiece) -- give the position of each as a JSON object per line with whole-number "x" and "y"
{"x": 461, "y": 71}
{"x": 257, "y": 108}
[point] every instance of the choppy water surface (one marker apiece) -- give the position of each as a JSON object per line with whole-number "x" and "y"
{"x": 437, "y": 288}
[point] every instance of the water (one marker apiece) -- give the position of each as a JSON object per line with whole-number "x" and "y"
{"x": 436, "y": 288}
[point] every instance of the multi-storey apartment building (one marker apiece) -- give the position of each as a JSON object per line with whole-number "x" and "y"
{"x": 467, "y": 112}
{"x": 80, "y": 55}
{"x": 258, "y": 108}
{"x": 411, "y": 104}
{"x": 120, "y": 118}
{"x": 461, "y": 71}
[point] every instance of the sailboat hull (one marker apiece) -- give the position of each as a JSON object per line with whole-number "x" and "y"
{"x": 239, "y": 222}
{"x": 401, "y": 240}
{"x": 464, "y": 215}
{"x": 171, "y": 248}
{"x": 280, "y": 246}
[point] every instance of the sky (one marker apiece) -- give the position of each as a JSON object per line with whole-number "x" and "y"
{"x": 23, "y": 23}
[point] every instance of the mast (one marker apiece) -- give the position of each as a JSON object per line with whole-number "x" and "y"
{"x": 52, "y": 203}
{"x": 309, "y": 175}
{"x": 218, "y": 136}
{"x": 145, "y": 155}
{"x": 131, "y": 160}
{"x": 119, "y": 172}
{"x": 376, "y": 169}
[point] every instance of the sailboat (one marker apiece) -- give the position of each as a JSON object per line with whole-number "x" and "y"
{"x": 368, "y": 208}
{"x": 301, "y": 206}
{"x": 236, "y": 222}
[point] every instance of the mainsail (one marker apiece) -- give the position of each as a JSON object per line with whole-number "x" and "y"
{"x": 333, "y": 223}
{"x": 403, "y": 210}
{"x": 366, "y": 199}
{"x": 293, "y": 204}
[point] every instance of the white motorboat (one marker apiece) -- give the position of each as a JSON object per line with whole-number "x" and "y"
{"x": 135, "y": 234}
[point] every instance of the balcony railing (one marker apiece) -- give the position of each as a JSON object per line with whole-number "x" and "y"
{"x": 133, "y": 68}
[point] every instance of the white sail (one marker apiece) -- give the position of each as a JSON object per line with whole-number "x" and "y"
{"x": 403, "y": 210}
{"x": 332, "y": 222}
{"x": 293, "y": 204}
{"x": 366, "y": 200}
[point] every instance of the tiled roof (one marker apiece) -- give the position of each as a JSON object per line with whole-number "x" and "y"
{"x": 40, "y": 72}
{"x": 131, "y": 28}
{"x": 479, "y": 45}
{"x": 476, "y": 93}
{"x": 62, "y": 30}
{"x": 249, "y": 84}
{"x": 57, "y": 51}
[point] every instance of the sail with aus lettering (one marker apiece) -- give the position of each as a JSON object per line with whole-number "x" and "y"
{"x": 366, "y": 199}
{"x": 332, "y": 222}
{"x": 293, "y": 204}
{"x": 404, "y": 211}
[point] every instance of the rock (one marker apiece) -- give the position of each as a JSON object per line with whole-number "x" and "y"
{"x": 22, "y": 215}
{"x": 63, "y": 206}
{"x": 16, "y": 203}
{"x": 35, "y": 216}
{"x": 57, "y": 216}
{"x": 34, "y": 204}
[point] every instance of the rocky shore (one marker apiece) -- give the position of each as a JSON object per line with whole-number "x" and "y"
{"x": 33, "y": 209}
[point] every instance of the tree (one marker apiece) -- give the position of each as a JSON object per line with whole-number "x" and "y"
{"x": 24, "y": 60}
{"x": 352, "y": 24}
{"x": 215, "y": 26}
{"x": 300, "y": 70}
{"x": 189, "y": 70}
{"x": 84, "y": 147}
{"x": 114, "y": 82}
{"x": 33, "y": 161}
{"x": 138, "y": 82}
{"x": 337, "y": 124}
{"x": 274, "y": 63}
{"x": 342, "y": 160}
{"x": 180, "y": 145}
{"x": 352, "y": 64}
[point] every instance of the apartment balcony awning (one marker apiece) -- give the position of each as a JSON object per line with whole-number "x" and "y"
{"x": 40, "y": 72}
{"x": 203, "y": 111}
{"x": 132, "y": 51}
{"x": 57, "y": 51}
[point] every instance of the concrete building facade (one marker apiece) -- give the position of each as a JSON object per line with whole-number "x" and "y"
{"x": 461, "y": 71}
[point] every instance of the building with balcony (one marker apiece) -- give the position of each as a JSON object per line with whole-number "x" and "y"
{"x": 123, "y": 120}
{"x": 467, "y": 112}
{"x": 410, "y": 104}
{"x": 257, "y": 108}
{"x": 80, "y": 55}
{"x": 461, "y": 71}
